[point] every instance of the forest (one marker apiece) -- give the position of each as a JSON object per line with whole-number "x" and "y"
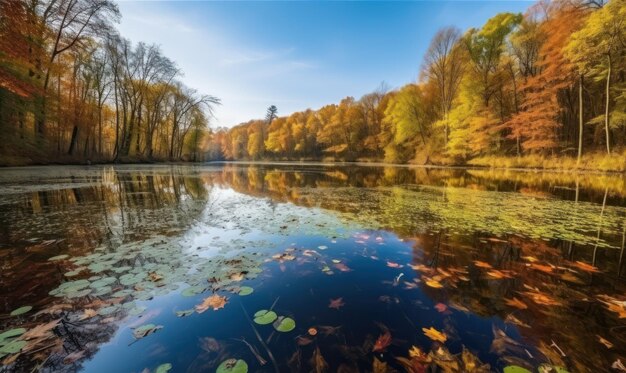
{"x": 542, "y": 89}
{"x": 73, "y": 90}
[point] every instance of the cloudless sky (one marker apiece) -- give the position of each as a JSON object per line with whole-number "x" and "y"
{"x": 296, "y": 55}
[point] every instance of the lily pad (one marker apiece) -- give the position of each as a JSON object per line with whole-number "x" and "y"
{"x": 11, "y": 333}
{"x": 516, "y": 369}
{"x": 245, "y": 290}
{"x": 232, "y": 366}
{"x": 164, "y": 368}
{"x": 184, "y": 313}
{"x": 21, "y": 310}
{"x": 13, "y": 347}
{"x": 264, "y": 317}
{"x": 145, "y": 330}
{"x": 284, "y": 324}
{"x": 193, "y": 290}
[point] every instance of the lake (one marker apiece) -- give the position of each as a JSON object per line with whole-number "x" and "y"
{"x": 300, "y": 268}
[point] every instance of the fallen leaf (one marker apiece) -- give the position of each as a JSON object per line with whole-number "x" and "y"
{"x": 480, "y": 264}
{"x": 441, "y": 307}
{"x": 586, "y": 267}
{"x": 516, "y": 303}
{"x": 435, "y": 335}
{"x": 336, "y": 303}
{"x": 214, "y": 301}
{"x": 434, "y": 284}
{"x": 379, "y": 366}
{"x": 342, "y": 267}
{"x": 145, "y": 330}
{"x": 383, "y": 341}
{"x": 394, "y": 264}
{"x": 605, "y": 342}
{"x": 319, "y": 364}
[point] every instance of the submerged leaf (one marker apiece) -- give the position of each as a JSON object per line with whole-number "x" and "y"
{"x": 383, "y": 341}
{"x": 232, "y": 366}
{"x": 163, "y": 368}
{"x": 336, "y": 303}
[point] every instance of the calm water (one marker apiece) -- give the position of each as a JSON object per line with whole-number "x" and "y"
{"x": 383, "y": 269}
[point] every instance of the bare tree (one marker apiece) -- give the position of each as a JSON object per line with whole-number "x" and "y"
{"x": 443, "y": 64}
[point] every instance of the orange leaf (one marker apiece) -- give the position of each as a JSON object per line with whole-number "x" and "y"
{"x": 383, "y": 341}
{"x": 516, "y": 303}
{"x": 214, "y": 301}
{"x": 435, "y": 334}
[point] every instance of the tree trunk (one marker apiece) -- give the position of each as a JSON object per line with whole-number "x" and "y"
{"x": 73, "y": 141}
{"x": 606, "y": 110}
{"x": 580, "y": 119}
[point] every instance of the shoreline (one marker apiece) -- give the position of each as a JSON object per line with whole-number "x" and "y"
{"x": 581, "y": 171}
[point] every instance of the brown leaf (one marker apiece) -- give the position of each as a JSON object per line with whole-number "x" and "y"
{"x": 41, "y": 330}
{"x": 379, "y": 366}
{"x": 214, "y": 301}
{"x": 319, "y": 364}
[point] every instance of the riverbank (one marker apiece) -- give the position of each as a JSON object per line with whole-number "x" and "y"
{"x": 600, "y": 163}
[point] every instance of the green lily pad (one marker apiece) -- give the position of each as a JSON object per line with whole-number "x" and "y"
{"x": 145, "y": 330}
{"x": 21, "y": 310}
{"x": 264, "y": 317}
{"x": 58, "y": 257}
{"x": 232, "y": 366}
{"x": 136, "y": 310}
{"x": 515, "y": 369}
{"x": 11, "y": 333}
{"x": 163, "y": 368}
{"x": 284, "y": 324}
{"x": 245, "y": 290}
{"x": 193, "y": 290}
{"x": 13, "y": 347}
{"x": 184, "y": 313}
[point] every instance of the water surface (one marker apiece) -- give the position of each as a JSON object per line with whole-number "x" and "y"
{"x": 381, "y": 269}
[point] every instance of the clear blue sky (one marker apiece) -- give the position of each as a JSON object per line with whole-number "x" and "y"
{"x": 296, "y": 55}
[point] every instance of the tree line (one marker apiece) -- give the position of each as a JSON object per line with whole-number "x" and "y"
{"x": 550, "y": 82}
{"x": 73, "y": 89}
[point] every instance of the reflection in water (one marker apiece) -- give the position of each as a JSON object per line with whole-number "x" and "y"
{"x": 529, "y": 253}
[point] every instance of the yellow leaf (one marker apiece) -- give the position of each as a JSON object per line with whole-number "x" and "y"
{"x": 435, "y": 335}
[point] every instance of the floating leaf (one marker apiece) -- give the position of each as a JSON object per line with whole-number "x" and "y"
{"x": 21, "y": 310}
{"x": 13, "y": 347}
{"x": 214, "y": 301}
{"x": 435, "y": 335}
{"x": 163, "y": 368}
{"x": 184, "y": 313}
{"x": 284, "y": 324}
{"x": 382, "y": 342}
{"x": 193, "y": 290}
{"x": 232, "y": 366}
{"x": 336, "y": 303}
{"x": 547, "y": 368}
{"x": 12, "y": 333}
{"x": 516, "y": 369}
{"x": 145, "y": 330}
{"x": 245, "y": 290}
{"x": 264, "y": 317}
{"x": 516, "y": 303}
{"x": 434, "y": 284}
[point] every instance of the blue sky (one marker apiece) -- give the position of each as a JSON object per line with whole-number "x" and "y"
{"x": 296, "y": 55}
